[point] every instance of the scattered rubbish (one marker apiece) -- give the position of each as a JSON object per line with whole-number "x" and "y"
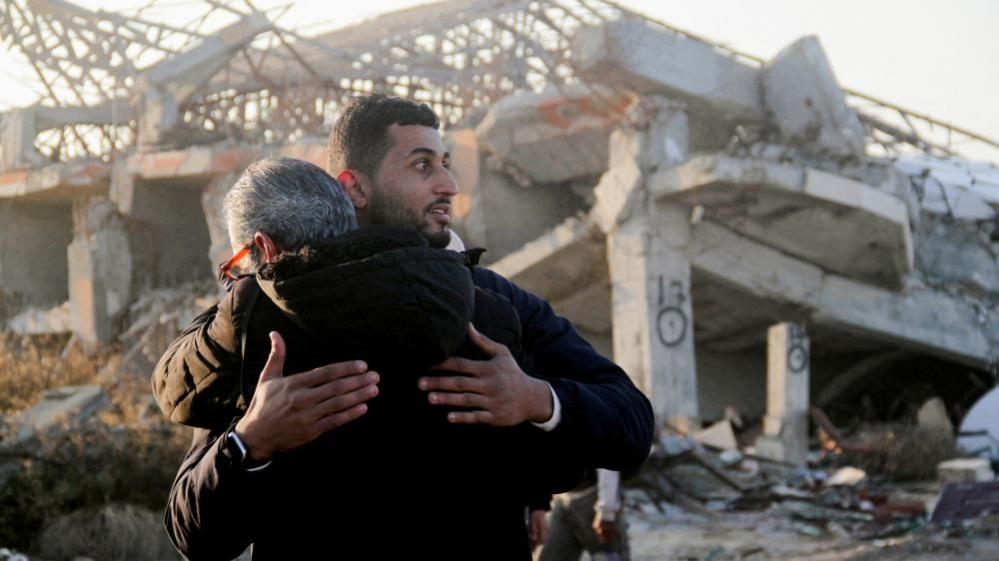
{"x": 846, "y": 476}
{"x": 718, "y": 435}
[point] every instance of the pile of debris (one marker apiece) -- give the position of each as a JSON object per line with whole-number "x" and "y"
{"x": 715, "y": 471}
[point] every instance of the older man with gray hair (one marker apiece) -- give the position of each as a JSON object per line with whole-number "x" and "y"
{"x": 267, "y": 458}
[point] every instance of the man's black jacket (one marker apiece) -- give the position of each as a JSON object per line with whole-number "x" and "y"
{"x": 216, "y": 508}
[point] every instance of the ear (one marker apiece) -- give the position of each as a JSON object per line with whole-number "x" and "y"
{"x": 266, "y": 245}
{"x": 356, "y": 185}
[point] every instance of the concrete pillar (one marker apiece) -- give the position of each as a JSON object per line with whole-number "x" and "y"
{"x": 653, "y": 333}
{"x": 785, "y": 426}
{"x": 100, "y": 270}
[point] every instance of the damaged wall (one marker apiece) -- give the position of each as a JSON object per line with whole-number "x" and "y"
{"x": 33, "y": 268}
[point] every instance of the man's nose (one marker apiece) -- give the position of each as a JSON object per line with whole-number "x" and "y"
{"x": 446, "y": 184}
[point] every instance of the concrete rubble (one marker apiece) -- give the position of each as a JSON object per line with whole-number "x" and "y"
{"x": 733, "y": 231}
{"x": 59, "y": 407}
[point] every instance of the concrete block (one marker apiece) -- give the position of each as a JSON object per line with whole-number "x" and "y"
{"x": 718, "y": 435}
{"x": 638, "y": 55}
{"x": 806, "y": 103}
{"x": 770, "y": 447}
{"x": 556, "y": 135}
{"x": 66, "y": 405}
{"x": 932, "y": 415}
{"x": 965, "y": 470}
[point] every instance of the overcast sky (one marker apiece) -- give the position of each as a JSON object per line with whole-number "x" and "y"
{"x": 939, "y": 57}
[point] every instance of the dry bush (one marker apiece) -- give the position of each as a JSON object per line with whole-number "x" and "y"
{"x": 109, "y": 533}
{"x": 29, "y": 365}
{"x": 128, "y": 454}
{"x": 903, "y": 452}
{"x": 91, "y": 466}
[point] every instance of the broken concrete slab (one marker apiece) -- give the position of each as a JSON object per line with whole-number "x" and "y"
{"x": 34, "y": 321}
{"x": 954, "y": 187}
{"x": 57, "y": 407}
{"x": 555, "y": 135}
{"x": 798, "y": 210}
{"x": 526, "y": 215}
{"x": 965, "y": 470}
{"x": 550, "y": 266}
{"x": 924, "y": 319}
{"x": 719, "y": 435}
{"x": 638, "y": 55}
{"x": 59, "y": 183}
{"x": 806, "y": 103}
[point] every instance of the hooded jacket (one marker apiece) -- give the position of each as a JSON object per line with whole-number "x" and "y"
{"x": 400, "y": 470}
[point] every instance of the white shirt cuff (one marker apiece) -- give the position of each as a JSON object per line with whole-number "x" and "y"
{"x": 608, "y": 495}
{"x": 261, "y": 467}
{"x": 556, "y": 417}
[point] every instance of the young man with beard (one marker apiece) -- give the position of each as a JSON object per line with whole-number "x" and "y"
{"x": 390, "y": 159}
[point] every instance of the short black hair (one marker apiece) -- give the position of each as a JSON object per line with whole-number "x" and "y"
{"x": 359, "y": 138}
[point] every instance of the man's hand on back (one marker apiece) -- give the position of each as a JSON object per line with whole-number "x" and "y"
{"x": 287, "y": 412}
{"x": 500, "y": 393}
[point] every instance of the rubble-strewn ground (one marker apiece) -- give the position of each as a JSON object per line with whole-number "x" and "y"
{"x": 755, "y": 536}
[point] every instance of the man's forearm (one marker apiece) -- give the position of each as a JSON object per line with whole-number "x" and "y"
{"x": 208, "y": 507}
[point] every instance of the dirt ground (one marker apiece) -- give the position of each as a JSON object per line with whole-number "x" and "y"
{"x": 758, "y": 536}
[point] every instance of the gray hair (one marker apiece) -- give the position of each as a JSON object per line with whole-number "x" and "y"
{"x": 292, "y": 201}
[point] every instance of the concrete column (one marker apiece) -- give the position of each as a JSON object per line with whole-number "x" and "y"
{"x": 785, "y": 426}
{"x": 100, "y": 271}
{"x": 653, "y": 332}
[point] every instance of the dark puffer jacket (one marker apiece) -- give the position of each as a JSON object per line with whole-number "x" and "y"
{"x": 400, "y": 470}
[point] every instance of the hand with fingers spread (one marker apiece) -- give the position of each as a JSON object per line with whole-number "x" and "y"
{"x": 496, "y": 390}
{"x": 287, "y": 412}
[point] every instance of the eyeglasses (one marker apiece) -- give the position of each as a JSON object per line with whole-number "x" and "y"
{"x": 225, "y": 269}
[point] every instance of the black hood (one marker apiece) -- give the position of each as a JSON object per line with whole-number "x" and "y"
{"x": 381, "y": 294}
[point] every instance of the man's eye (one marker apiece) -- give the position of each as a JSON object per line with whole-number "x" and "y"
{"x": 447, "y": 164}
{"x": 422, "y": 165}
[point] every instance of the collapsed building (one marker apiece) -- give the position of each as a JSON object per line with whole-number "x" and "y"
{"x": 735, "y": 232}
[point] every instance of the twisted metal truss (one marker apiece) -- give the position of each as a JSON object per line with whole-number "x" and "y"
{"x": 459, "y": 56}
{"x": 85, "y": 59}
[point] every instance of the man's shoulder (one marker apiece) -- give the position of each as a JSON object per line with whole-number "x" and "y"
{"x": 487, "y": 278}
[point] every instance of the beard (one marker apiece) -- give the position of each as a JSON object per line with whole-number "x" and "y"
{"x": 385, "y": 211}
